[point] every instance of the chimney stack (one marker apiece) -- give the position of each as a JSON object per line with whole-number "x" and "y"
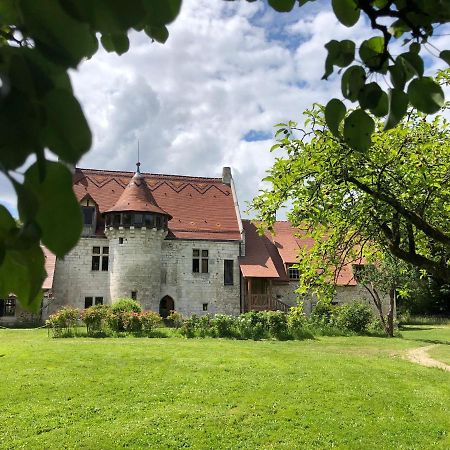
{"x": 226, "y": 175}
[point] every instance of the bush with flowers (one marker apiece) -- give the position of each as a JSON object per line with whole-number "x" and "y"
{"x": 64, "y": 322}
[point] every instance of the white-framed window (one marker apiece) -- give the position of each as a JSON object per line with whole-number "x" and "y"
{"x": 293, "y": 272}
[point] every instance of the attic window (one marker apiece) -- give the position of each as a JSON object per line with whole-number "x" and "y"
{"x": 293, "y": 272}
{"x": 88, "y": 214}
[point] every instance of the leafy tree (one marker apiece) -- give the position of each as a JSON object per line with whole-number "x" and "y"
{"x": 388, "y": 276}
{"x": 394, "y": 198}
{"x": 39, "y": 42}
{"x": 413, "y": 21}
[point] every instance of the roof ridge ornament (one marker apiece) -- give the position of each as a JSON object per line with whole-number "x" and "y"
{"x": 138, "y": 164}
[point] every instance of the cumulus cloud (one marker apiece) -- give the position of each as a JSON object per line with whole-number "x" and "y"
{"x": 210, "y": 96}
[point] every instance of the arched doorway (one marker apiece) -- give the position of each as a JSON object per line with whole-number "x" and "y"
{"x": 165, "y": 306}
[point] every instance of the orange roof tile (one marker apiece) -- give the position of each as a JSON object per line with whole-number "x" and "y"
{"x": 201, "y": 208}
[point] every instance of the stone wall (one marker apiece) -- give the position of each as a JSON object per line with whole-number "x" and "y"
{"x": 74, "y": 278}
{"x": 344, "y": 294}
{"x": 191, "y": 290}
{"x": 153, "y": 272}
{"x": 135, "y": 264}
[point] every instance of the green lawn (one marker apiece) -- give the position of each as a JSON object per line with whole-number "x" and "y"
{"x": 346, "y": 392}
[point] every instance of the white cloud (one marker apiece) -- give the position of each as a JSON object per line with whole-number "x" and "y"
{"x": 227, "y": 68}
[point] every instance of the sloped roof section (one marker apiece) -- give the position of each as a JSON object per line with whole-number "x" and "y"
{"x": 201, "y": 208}
{"x": 261, "y": 258}
{"x": 268, "y": 255}
{"x": 137, "y": 197}
{"x": 50, "y": 262}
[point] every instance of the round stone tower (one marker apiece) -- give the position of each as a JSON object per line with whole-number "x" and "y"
{"x": 136, "y": 227}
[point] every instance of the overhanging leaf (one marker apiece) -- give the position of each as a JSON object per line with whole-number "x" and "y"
{"x": 358, "y": 129}
{"x": 346, "y": 11}
{"x": 445, "y": 55}
{"x": 22, "y": 273}
{"x": 398, "y": 104}
{"x": 352, "y": 82}
{"x": 426, "y": 95}
{"x": 340, "y": 53}
{"x": 58, "y": 207}
{"x": 282, "y": 5}
{"x": 159, "y": 34}
{"x": 66, "y": 133}
{"x": 371, "y": 53}
{"x": 334, "y": 113}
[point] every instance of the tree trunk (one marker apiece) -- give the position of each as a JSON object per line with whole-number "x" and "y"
{"x": 390, "y": 314}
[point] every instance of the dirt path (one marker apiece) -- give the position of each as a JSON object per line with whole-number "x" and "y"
{"x": 420, "y": 356}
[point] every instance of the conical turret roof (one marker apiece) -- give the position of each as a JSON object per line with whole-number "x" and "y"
{"x": 137, "y": 197}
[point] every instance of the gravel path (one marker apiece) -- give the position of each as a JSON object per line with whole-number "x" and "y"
{"x": 420, "y": 356}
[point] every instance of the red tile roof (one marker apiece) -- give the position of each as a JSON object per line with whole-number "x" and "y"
{"x": 50, "y": 262}
{"x": 267, "y": 255}
{"x": 258, "y": 261}
{"x": 201, "y": 208}
{"x": 137, "y": 197}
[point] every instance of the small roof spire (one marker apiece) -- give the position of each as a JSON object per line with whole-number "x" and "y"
{"x": 138, "y": 164}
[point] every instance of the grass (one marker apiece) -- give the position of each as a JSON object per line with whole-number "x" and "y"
{"x": 343, "y": 392}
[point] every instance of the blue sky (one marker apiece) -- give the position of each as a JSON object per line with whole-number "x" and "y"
{"x": 210, "y": 96}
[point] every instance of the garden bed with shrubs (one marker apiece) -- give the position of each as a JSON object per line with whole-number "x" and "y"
{"x": 125, "y": 317}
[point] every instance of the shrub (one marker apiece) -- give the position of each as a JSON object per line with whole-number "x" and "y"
{"x": 223, "y": 326}
{"x": 119, "y": 319}
{"x": 203, "y": 327}
{"x": 131, "y": 321}
{"x": 189, "y": 326}
{"x": 298, "y": 323}
{"x": 354, "y": 316}
{"x": 96, "y": 319}
{"x": 277, "y": 325}
{"x": 252, "y": 325}
{"x": 64, "y": 322}
{"x": 323, "y": 313}
{"x": 175, "y": 319}
{"x": 126, "y": 305}
{"x": 150, "y": 320}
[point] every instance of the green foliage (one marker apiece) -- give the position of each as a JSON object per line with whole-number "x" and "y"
{"x": 224, "y": 326}
{"x": 175, "y": 319}
{"x": 336, "y": 392}
{"x": 392, "y": 199}
{"x": 126, "y": 305}
{"x": 298, "y": 323}
{"x": 355, "y": 316}
{"x": 64, "y": 322}
{"x": 39, "y": 43}
{"x": 149, "y": 322}
{"x": 96, "y": 319}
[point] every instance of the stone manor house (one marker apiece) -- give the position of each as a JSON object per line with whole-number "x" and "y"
{"x": 172, "y": 242}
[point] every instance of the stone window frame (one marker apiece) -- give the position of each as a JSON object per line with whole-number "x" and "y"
{"x": 200, "y": 260}
{"x": 91, "y": 300}
{"x": 228, "y": 272}
{"x": 100, "y": 258}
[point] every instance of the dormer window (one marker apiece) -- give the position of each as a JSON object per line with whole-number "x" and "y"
{"x": 88, "y": 214}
